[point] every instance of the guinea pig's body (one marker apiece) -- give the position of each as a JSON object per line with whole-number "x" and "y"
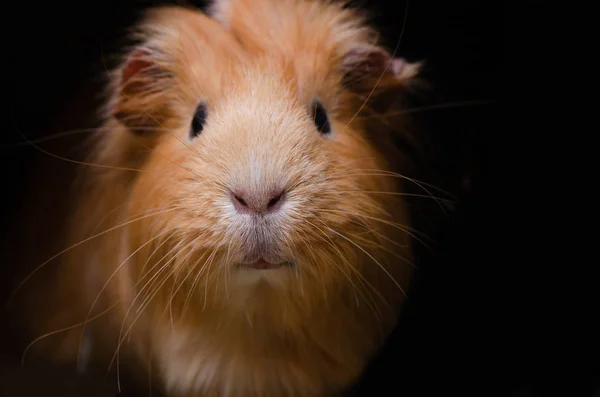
{"x": 245, "y": 233}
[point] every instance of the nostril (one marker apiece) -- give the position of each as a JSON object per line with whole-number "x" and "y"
{"x": 276, "y": 201}
{"x": 240, "y": 200}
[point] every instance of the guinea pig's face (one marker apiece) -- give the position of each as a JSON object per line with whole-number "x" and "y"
{"x": 271, "y": 187}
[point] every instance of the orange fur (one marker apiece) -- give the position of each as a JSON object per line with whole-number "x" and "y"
{"x": 211, "y": 328}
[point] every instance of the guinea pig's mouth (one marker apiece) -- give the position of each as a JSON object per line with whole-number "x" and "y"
{"x": 263, "y": 264}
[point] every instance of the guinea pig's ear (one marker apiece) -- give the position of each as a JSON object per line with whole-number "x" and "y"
{"x": 139, "y": 61}
{"x": 372, "y": 72}
{"x": 140, "y": 81}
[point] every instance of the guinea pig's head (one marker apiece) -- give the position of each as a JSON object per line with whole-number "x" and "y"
{"x": 262, "y": 190}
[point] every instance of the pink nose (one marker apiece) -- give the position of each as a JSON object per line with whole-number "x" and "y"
{"x": 259, "y": 202}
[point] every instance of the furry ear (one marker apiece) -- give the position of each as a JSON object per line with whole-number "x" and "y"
{"x": 371, "y": 71}
{"x": 141, "y": 82}
{"x": 139, "y": 61}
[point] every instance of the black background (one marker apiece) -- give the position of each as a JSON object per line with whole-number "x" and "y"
{"x": 461, "y": 334}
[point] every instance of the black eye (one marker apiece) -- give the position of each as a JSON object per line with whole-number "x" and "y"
{"x": 198, "y": 121}
{"x": 321, "y": 119}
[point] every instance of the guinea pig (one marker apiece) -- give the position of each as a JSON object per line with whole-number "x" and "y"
{"x": 244, "y": 229}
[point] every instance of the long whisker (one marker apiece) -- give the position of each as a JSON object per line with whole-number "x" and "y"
{"x": 68, "y": 133}
{"x": 361, "y": 277}
{"x": 408, "y": 230}
{"x": 176, "y": 290}
{"x": 89, "y": 320}
{"x": 111, "y": 277}
{"x": 227, "y": 270}
{"x": 197, "y": 278}
{"x": 49, "y": 138}
{"x": 210, "y": 265}
{"x": 379, "y": 246}
{"x": 307, "y": 245}
{"x": 154, "y": 278}
{"x": 376, "y": 172}
{"x": 398, "y": 194}
{"x": 105, "y": 217}
{"x": 139, "y": 313}
{"x": 383, "y": 248}
{"x": 417, "y": 183}
{"x": 433, "y": 107}
{"x": 157, "y": 274}
{"x": 174, "y": 135}
{"x": 385, "y": 69}
{"x": 165, "y": 157}
{"x": 297, "y": 270}
{"x": 148, "y": 284}
{"x": 151, "y": 256}
{"x": 74, "y": 161}
{"x": 78, "y": 244}
{"x": 370, "y": 256}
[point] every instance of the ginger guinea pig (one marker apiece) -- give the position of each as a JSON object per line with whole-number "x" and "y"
{"x": 254, "y": 235}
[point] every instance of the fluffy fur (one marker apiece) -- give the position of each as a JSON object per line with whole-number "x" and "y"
{"x": 169, "y": 257}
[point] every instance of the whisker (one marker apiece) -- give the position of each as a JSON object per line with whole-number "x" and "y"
{"x": 71, "y": 327}
{"x": 398, "y": 194}
{"x": 74, "y": 161}
{"x": 437, "y": 200}
{"x": 140, "y": 311}
{"x": 227, "y": 270}
{"x": 49, "y": 138}
{"x": 151, "y": 256}
{"x": 190, "y": 271}
{"x": 385, "y": 69}
{"x": 156, "y": 276}
{"x": 224, "y": 266}
{"x": 111, "y": 212}
{"x": 370, "y": 256}
{"x": 111, "y": 277}
{"x": 210, "y": 262}
{"x": 298, "y": 271}
{"x": 196, "y": 279}
{"x": 168, "y": 159}
{"x": 318, "y": 267}
{"x": 408, "y": 230}
{"x": 381, "y": 247}
{"x": 361, "y": 277}
{"x": 175, "y": 135}
{"x": 370, "y": 230}
{"x": 78, "y": 244}
{"x": 122, "y": 337}
{"x": 433, "y": 107}
{"x": 376, "y": 172}
{"x": 65, "y": 134}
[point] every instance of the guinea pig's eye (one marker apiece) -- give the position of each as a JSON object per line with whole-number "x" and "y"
{"x": 321, "y": 119}
{"x": 198, "y": 121}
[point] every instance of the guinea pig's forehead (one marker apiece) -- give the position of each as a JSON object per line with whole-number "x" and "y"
{"x": 207, "y": 72}
{"x": 303, "y": 77}
{"x": 262, "y": 83}
{"x": 266, "y": 78}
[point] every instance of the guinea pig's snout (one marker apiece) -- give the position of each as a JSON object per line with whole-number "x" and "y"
{"x": 255, "y": 202}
